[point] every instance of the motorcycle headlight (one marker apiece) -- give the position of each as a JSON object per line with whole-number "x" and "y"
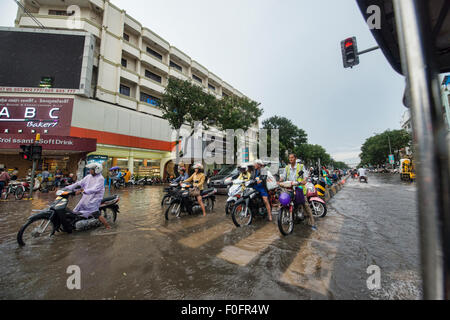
{"x": 61, "y": 204}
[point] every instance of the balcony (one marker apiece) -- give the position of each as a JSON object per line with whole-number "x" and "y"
{"x": 60, "y": 22}
{"x": 199, "y": 68}
{"x": 129, "y": 75}
{"x": 133, "y": 24}
{"x": 177, "y": 74}
{"x": 228, "y": 88}
{"x": 158, "y": 64}
{"x": 149, "y": 35}
{"x": 216, "y": 81}
{"x": 131, "y": 49}
{"x": 180, "y": 56}
{"x": 151, "y": 85}
{"x": 127, "y": 102}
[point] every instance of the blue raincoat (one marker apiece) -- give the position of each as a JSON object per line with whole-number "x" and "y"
{"x": 94, "y": 191}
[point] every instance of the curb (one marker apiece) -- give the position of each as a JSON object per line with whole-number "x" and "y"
{"x": 330, "y": 192}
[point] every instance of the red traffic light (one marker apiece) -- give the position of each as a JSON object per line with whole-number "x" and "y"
{"x": 348, "y": 43}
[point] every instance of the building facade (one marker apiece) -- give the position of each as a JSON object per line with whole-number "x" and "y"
{"x": 131, "y": 68}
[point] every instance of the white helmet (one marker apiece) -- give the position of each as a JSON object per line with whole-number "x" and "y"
{"x": 243, "y": 166}
{"x": 198, "y": 166}
{"x": 98, "y": 168}
{"x": 258, "y": 161}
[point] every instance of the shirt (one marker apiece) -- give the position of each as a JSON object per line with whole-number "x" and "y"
{"x": 293, "y": 173}
{"x": 362, "y": 172}
{"x": 198, "y": 179}
{"x": 183, "y": 177}
{"x": 4, "y": 176}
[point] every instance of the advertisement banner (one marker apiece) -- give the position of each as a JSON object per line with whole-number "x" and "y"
{"x": 50, "y": 116}
{"x": 13, "y": 142}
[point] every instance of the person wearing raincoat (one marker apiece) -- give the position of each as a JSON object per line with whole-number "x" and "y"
{"x": 92, "y": 188}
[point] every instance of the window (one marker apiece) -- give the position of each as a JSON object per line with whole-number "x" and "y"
{"x": 154, "y": 53}
{"x": 176, "y": 66}
{"x": 153, "y": 76}
{"x": 124, "y": 63}
{"x": 126, "y": 91}
{"x": 150, "y": 99}
{"x": 198, "y": 79}
{"x": 224, "y": 95}
{"x": 126, "y": 37}
{"x": 211, "y": 87}
{"x": 60, "y": 13}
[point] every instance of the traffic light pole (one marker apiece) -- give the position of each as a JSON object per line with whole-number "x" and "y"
{"x": 368, "y": 50}
{"x": 32, "y": 179}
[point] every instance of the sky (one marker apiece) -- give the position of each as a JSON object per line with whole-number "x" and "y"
{"x": 286, "y": 55}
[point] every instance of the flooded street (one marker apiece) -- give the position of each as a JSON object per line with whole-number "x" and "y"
{"x": 145, "y": 257}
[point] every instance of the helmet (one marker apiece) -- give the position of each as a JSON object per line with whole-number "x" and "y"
{"x": 258, "y": 161}
{"x": 182, "y": 169}
{"x": 98, "y": 168}
{"x": 243, "y": 167}
{"x": 198, "y": 166}
{"x": 285, "y": 199}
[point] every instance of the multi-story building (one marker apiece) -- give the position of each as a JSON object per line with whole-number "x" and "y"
{"x": 131, "y": 68}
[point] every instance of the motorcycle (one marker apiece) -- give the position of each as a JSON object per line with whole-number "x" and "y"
{"x": 250, "y": 205}
{"x": 290, "y": 213}
{"x": 363, "y": 179}
{"x": 10, "y": 189}
{"x": 317, "y": 204}
{"x": 183, "y": 202}
{"x": 235, "y": 192}
{"x": 24, "y": 187}
{"x": 170, "y": 192}
{"x": 45, "y": 223}
{"x": 119, "y": 183}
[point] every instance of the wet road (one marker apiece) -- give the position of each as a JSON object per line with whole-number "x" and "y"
{"x": 144, "y": 257}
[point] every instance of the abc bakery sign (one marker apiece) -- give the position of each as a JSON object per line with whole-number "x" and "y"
{"x": 39, "y": 114}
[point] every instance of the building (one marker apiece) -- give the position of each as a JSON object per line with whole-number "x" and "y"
{"x": 131, "y": 67}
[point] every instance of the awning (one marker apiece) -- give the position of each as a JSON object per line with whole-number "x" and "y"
{"x": 48, "y": 143}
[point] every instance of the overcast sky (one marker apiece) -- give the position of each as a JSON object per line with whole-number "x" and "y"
{"x": 286, "y": 55}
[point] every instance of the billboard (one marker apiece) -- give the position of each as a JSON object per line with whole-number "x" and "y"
{"x": 19, "y": 114}
{"x": 46, "y": 61}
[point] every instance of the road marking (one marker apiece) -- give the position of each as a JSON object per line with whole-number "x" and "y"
{"x": 312, "y": 267}
{"x": 198, "y": 239}
{"x": 247, "y": 249}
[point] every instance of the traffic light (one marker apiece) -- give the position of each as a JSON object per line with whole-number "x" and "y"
{"x": 350, "y": 55}
{"x": 26, "y": 153}
{"x": 36, "y": 152}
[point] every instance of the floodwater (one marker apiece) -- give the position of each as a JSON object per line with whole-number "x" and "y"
{"x": 195, "y": 257}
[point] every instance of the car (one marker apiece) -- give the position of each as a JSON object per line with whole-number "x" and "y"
{"x": 229, "y": 172}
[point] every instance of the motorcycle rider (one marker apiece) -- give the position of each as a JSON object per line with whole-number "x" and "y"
{"x": 244, "y": 174}
{"x": 92, "y": 188}
{"x": 198, "y": 179}
{"x": 362, "y": 172}
{"x": 295, "y": 172}
{"x": 257, "y": 174}
{"x": 183, "y": 175}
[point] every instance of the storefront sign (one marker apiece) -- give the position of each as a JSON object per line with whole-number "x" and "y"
{"x": 43, "y": 115}
{"x": 13, "y": 142}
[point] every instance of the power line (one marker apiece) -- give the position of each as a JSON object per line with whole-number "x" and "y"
{"x": 28, "y": 13}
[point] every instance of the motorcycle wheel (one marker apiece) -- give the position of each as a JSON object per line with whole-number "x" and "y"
{"x": 228, "y": 207}
{"x": 165, "y": 200}
{"x": 319, "y": 210}
{"x": 19, "y": 193}
{"x": 173, "y": 211}
{"x": 241, "y": 215}
{"x": 110, "y": 214}
{"x": 285, "y": 221}
{"x": 209, "y": 204}
{"x": 35, "y": 231}
{"x": 6, "y": 193}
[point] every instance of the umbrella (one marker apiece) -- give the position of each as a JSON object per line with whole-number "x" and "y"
{"x": 114, "y": 168}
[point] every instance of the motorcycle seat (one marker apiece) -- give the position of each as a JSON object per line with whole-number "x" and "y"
{"x": 108, "y": 199}
{"x": 206, "y": 191}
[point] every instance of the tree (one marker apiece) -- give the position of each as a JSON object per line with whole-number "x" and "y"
{"x": 184, "y": 102}
{"x": 290, "y": 136}
{"x": 375, "y": 149}
{"x": 237, "y": 113}
{"x": 310, "y": 153}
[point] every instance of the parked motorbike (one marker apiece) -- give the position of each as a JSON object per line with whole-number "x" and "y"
{"x": 250, "y": 205}
{"x": 183, "y": 202}
{"x": 317, "y": 204}
{"x": 10, "y": 189}
{"x": 119, "y": 183}
{"x": 45, "y": 223}
{"x": 235, "y": 192}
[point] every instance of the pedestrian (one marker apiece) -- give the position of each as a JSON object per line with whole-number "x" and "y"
{"x": 127, "y": 175}
{"x": 58, "y": 177}
{"x": 4, "y": 179}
